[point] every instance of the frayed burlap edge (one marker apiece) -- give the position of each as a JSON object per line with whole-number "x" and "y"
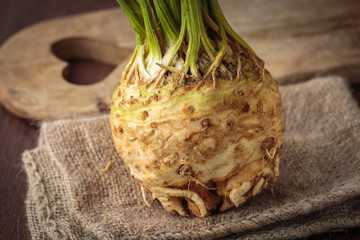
{"x": 39, "y": 207}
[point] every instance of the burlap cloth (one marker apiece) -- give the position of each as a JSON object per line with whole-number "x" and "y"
{"x": 318, "y": 188}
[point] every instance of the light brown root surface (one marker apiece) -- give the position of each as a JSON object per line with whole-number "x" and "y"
{"x": 197, "y": 200}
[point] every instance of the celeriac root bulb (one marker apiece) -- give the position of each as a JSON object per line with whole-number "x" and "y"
{"x": 196, "y": 117}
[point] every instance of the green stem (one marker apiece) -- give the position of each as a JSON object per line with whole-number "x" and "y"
{"x": 173, "y": 34}
{"x": 169, "y": 25}
{"x": 140, "y": 56}
{"x": 173, "y": 49}
{"x": 209, "y": 48}
{"x": 205, "y": 5}
{"x": 136, "y": 8}
{"x": 193, "y": 30}
{"x": 215, "y": 7}
{"x": 130, "y": 13}
{"x": 174, "y": 6}
{"x": 151, "y": 38}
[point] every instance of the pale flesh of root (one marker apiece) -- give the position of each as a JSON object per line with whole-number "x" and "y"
{"x": 180, "y": 187}
{"x": 169, "y": 199}
{"x": 250, "y": 181}
{"x": 200, "y": 201}
{"x": 196, "y": 117}
{"x": 171, "y": 204}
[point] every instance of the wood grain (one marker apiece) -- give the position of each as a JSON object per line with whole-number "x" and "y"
{"x": 301, "y": 39}
{"x": 31, "y": 68}
{"x": 16, "y": 135}
{"x": 297, "y": 40}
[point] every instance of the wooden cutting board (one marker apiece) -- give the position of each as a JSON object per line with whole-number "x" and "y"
{"x": 297, "y": 39}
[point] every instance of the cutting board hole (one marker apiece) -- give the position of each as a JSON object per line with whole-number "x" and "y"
{"x": 89, "y": 60}
{"x": 86, "y": 72}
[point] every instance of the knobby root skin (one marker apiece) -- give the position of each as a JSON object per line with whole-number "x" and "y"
{"x": 196, "y": 117}
{"x": 197, "y": 160}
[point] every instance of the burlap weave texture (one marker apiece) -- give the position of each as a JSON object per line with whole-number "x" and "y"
{"x": 318, "y": 188}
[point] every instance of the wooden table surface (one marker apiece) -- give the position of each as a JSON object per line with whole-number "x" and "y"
{"x": 17, "y": 135}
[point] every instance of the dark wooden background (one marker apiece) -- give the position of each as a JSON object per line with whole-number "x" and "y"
{"x": 17, "y": 135}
